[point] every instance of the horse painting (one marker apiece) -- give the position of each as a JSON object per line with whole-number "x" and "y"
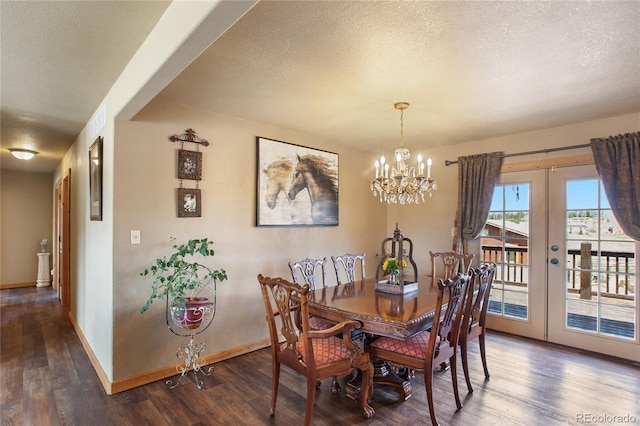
{"x": 315, "y": 173}
{"x": 278, "y": 179}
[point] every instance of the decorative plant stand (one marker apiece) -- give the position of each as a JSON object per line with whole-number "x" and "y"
{"x": 188, "y": 321}
{"x": 190, "y": 352}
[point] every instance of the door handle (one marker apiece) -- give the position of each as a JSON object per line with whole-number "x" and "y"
{"x": 554, "y": 261}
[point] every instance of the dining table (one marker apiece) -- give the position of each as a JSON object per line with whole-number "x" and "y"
{"x": 399, "y": 316}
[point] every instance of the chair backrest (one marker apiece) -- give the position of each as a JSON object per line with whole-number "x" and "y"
{"x": 310, "y": 271}
{"x": 485, "y": 279}
{"x": 449, "y": 264}
{"x": 475, "y": 311}
{"x": 345, "y": 266}
{"x": 288, "y": 302}
{"x": 444, "y": 341}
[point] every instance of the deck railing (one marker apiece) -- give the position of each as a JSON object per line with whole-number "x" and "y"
{"x": 516, "y": 263}
{"x": 618, "y": 268}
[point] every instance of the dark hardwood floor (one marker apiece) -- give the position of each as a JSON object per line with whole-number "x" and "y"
{"x": 47, "y": 379}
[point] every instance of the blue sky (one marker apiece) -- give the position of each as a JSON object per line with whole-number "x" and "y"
{"x": 582, "y": 194}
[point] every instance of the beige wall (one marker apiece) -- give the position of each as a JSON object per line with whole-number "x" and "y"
{"x": 27, "y": 217}
{"x": 144, "y": 199}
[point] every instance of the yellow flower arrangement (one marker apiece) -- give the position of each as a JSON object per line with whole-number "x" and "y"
{"x": 392, "y": 264}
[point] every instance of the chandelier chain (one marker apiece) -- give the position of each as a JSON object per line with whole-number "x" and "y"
{"x": 402, "y": 128}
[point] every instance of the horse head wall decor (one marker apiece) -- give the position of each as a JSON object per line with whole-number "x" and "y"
{"x": 278, "y": 180}
{"x": 284, "y": 170}
{"x": 314, "y": 173}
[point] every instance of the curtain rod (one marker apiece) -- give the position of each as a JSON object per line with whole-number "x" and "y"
{"x": 540, "y": 151}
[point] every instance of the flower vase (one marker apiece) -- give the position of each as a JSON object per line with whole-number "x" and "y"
{"x": 393, "y": 278}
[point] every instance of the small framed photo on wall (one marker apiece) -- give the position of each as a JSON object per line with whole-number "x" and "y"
{"x": 189, "y": 202}
{"x": 189, "y": 164}
{"x": 95, "y": 180}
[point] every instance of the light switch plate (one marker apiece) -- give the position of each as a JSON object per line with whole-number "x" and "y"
{"x": 135, "y": 236}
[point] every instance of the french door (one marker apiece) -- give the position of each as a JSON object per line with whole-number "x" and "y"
{"x": 514, "y": 240}
{"x": 592, "y": 270}
{"x": 565, "y": 272}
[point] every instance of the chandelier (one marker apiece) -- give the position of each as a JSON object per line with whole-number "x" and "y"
{"x": 401, "y": 183}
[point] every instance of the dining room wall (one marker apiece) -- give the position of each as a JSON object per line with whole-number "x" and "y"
{"x": 145, "y": 187}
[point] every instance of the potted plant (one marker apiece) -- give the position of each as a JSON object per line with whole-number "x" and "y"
{"x": 391, "y": 265}
{"x": 180, "y": 277}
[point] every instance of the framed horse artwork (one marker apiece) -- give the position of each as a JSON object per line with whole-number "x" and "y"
{"x": 296, "y": 185}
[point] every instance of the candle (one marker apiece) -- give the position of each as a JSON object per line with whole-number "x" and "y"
{"x": 429, "y": 168}
{"x": 421, "y": 168}
{"x": 386, "y": 170}
{"x": 377, "y": 166}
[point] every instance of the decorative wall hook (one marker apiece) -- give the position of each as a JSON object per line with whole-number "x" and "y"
{"x": 189, "y": 135}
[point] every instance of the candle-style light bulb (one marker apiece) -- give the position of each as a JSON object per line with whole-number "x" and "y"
{"x": 429, "y": 162}
{"x": 386, "y": 170}
{"x": 377, "y": 166}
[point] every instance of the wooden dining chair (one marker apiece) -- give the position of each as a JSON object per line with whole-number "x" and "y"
{"x": 313, "y": 272}
{"x": 429, "y": 349}
{"x": 315, "y": 354}
{"x": 346, "y": 267}
{"x": 448, "y": 264}
{"x": 310, "y": 271}
{"x": 475, "y": 314}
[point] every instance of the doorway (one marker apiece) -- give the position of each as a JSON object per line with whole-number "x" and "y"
{"x": 565, "y": 272}
{"x": 62, "y": 241}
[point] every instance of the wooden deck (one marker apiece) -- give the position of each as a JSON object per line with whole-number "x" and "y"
{"x": 617, "y": 315}
{"x": 47, "y": 379}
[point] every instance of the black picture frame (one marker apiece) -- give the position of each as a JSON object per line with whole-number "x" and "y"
{"x": 189, "y": 202}
{"x": 189, "y": 164}
{"x": 95, "y": 179}
{"x": 283, "y": 171}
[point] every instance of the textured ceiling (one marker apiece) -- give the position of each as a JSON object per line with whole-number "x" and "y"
{"x": 58, "y": 61}
{"x": 334, "y": 69}
{"x": 470, "y": 70}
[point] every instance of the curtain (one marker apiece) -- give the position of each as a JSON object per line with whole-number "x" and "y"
{"x": 617, "y": 160}
{"x": 477, "y": 176}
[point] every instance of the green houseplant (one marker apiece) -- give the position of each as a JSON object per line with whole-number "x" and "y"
{"x": 181, "y": 275}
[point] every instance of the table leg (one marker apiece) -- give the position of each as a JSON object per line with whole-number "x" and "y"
{"x": 383, "y": 375}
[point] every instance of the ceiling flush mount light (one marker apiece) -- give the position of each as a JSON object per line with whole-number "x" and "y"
{"x": 401, "y": 183}
{"x": 23, "y": 154}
